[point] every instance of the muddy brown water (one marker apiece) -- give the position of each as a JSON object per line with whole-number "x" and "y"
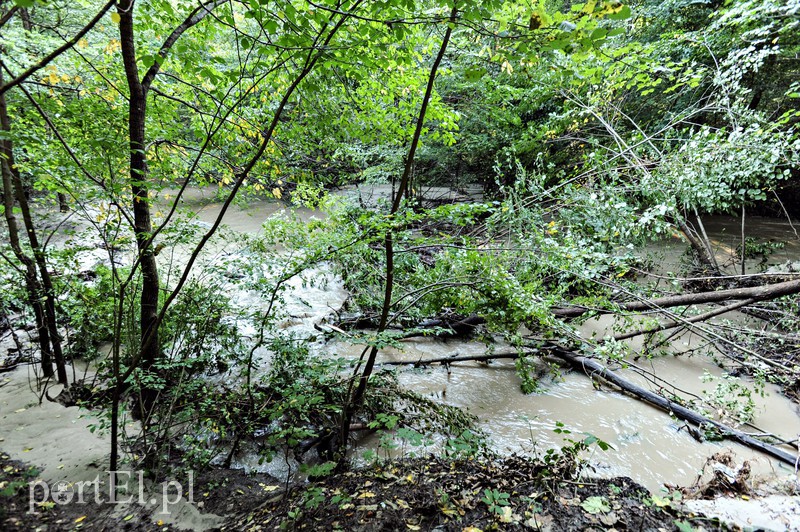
{"x": 648, "y": 445}
{"x": 725, "y": 234}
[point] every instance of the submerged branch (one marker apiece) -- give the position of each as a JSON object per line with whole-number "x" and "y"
{"x": 592, "y": 368}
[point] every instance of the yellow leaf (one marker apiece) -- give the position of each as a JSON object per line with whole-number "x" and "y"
{"x": 661, "y": 502}
{"x": 366, "y": 495}
{"x": 160, "y": 522}
{"x": 128, "y": 517}
{"x": 81, "y": 518}
{"x": 276, "y": 192}
{"x": 268, "y": 488}
{"x": 471, "y": 529}
{"x": 115, "y": 18}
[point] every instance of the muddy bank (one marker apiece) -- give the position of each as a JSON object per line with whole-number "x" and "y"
{"x": 509, "y": 493}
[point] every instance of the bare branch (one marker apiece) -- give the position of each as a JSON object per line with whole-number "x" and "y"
{"x": 7, "y": 16}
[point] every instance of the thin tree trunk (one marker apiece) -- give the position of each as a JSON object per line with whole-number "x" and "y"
{"x": 40, "y": 290}
{"x": 704, "y": 254}
{"x": 756, "y": 293}
{"x": 706, "y": 241}
{"x": 32, "y": 285}
{"x": 137, "y": 106}
{"x": 46, "y": 280}
{"x": 694, "y": 319}
{"x": 593, "y": 369}
{"x": 357, "y": 397}
{"x": 744, "y": 248}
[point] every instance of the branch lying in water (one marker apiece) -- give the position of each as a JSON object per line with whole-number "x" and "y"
{"x": 756, "y": 293}
{"x": 449, "y": 360}
{"x": 594, "y": 369}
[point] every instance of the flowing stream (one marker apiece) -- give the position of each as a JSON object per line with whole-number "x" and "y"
{"x": 648, "y": 445}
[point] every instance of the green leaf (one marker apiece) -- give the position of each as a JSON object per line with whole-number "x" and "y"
{"x": 474, "y": 74}
{"x": 596, "y": 505}
{"x": 622, "y": 14}
{"x": 599, "y": 33}
{"x": 25, "y": 3}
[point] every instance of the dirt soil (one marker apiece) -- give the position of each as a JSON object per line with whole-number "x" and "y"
{"x": 510, "y": 493}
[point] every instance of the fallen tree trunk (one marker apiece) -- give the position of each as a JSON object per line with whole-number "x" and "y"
{"x": 756, "y": 293}
{"x": 593, "y": 368}
{"x": 449, "y": 360}
{"x": 687, "y": 321}
{"x": 751, "y": 294}
{"x": 458, "y": 325}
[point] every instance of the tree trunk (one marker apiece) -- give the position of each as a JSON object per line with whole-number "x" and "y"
{"x": 63, "y": 206}
{"x": 46, "y": 280}
{"x": 38, "y": 290}
{"x": 32, "y": 285}
{"x": 700, "y": 247}
{"x": 137, "y": 108}
{"x": 355, "y": 399}
{"x": 593, "y": 369}
{"x": 756, "y": 293}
